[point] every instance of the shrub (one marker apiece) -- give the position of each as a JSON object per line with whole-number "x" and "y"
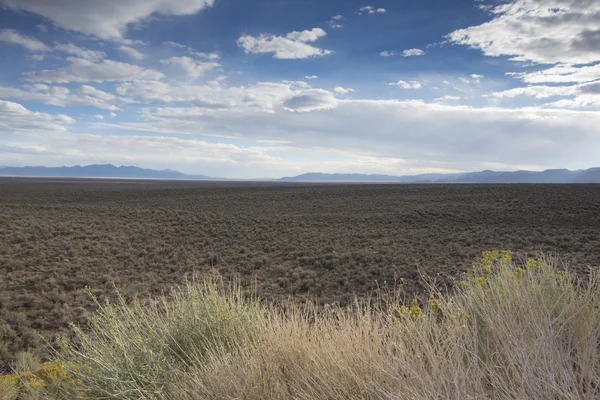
{"x": 508, "y": 331}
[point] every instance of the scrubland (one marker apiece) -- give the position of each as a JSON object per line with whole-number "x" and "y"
{"x": 63, "y": 243}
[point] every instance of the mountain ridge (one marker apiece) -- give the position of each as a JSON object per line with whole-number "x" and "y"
{"x": 97, "y": 171}
{"x": 590, "y": 175}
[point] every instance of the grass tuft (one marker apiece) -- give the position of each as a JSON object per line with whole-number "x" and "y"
{"x": 510, "y": 330}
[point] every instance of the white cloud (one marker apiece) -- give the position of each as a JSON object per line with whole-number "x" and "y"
{"x": 193, "y": 68}
{"x": 81, "y": 70}
{"x": 210, "y": 99}
{"x": 477, "y": 77}
{"x": 334, "y": 22}
{"x": 61, "y": 96}
{"x": 406, "y": 85}
{"x": 539, "y": 31}
{"x": 405, "y": 53}
{"x": 113, "y": 114}
{"x": 99, "y": 116}
{"x": 586, "y": 95}
{"x": 311, "y": 77}
{"x": 15, "y": 119}
{"x": 131, "y": 52}
{"x": 13, "y": 37}
{"x": 561, "y": 73}
{"x": 214, "y": 56}
{"x": 371, "y": 10}
{"x": 412, "y": 52}
{"x": 107, "y": 19}
{"x": 539, "y": 92}
{"x": 92, "y": 92}
{"x": 206, "y": 56}
{"x": 310, "y": 100}
{"x": 341, "y": 90}
{"x": 422, "y": 134}
{"x": 175, "y": 44}
{"x": 32, "y": 44}
{"x": 90, "y": 55}
{"x": 447, "y": 98}
{"x": 463, "y": 137}
{"x": 291, "y": 46}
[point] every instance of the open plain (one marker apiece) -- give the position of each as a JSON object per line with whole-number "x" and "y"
{"x": 63, "y": 238}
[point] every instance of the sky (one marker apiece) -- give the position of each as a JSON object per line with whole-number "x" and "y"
{"x": 271, "y": 88}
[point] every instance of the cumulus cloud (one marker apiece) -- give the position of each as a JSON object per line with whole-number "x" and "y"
{"x": 131, "y": 52}
{"x": 193, "y": 68}
{"x": 585, "y": 95}
{"x": 82, "y": 70}
{"x": 90, "y": 55}
{"x": 447, "y": 98}
{"x": 310, "y": 100}
{"x": 342, "y": 90}
{"x": 405, "y": 53}
{"x": 412, "y": 52}
{"x": 370, "y": 10}
{"x": 311, "y": 77}
{"x": 335, "y": 21}
{"x": 562, "y": 73}
{"x": 214, "y": 56}
{"x": 206, "y": 56}
{"x": 107, "y": 19}
{"x": 406, "y": 85}
{"x": 210, "y": 99}
{"x": 291, "y": 46}
{"x": 539, "y": 31}
{"x": 13, "y": 37}
{"x": 61, "y": 96}
{"x": 14, "y": 119}
{"x": 540, "y": 92}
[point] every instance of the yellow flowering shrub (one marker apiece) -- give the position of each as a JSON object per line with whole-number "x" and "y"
{"x": 49, "y": 372}
{"x": 9, "y": 387}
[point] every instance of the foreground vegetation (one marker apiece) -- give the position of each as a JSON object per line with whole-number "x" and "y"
{"x": 329, "y": 242}
{"x": 509, "y": 330}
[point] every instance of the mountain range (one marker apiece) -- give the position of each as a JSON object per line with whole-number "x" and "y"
{"x": 591, "y": 175}
{"x": 97, "y": 171}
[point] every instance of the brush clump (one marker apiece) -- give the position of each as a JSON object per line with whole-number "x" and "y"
{"x": 507, "y": 330}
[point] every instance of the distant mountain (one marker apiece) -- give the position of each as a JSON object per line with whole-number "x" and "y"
{"x": 591, "y": 175}
{"x": 97, "y": 171}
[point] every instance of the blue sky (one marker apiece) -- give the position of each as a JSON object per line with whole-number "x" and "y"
{"x": 269, "y": 88}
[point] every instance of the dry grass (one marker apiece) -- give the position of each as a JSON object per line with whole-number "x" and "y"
{"x": 509, "y": 331}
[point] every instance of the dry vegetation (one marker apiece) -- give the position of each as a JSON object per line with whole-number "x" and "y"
{"x": 508, "y": 331}
{"x": 59, "y": 237}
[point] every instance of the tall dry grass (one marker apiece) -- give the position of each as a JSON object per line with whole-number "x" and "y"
{"x": 508, "y": 331}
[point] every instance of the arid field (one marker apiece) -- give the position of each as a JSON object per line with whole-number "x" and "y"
{"x": 326, "y": 242}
